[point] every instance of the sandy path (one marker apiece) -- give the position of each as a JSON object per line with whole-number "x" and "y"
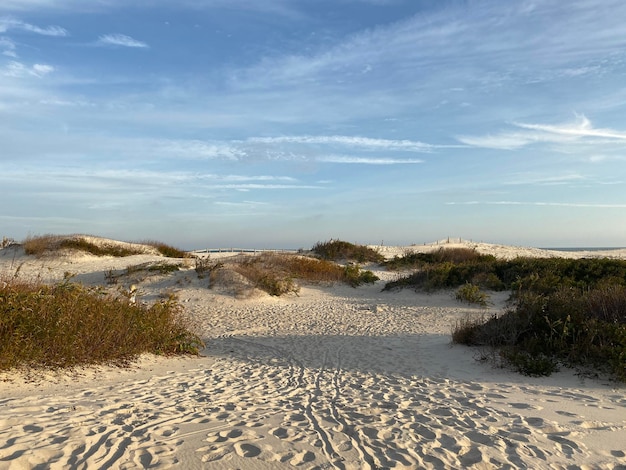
{"x": 335, "y": 378}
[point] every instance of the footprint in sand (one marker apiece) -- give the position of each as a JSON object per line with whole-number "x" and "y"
{"x": 223, "y": 436}
{"x": 286, "y": 434}
{"x": 247, "y": 450}
{"x": 302, "y": 457}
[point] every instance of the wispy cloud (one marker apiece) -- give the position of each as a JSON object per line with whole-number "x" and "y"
{"x": 367, "y": 160}
{"x": 545, "y": 180}
{"x": 8, "y": 23}
{"x": 120, "y": 40}
{"x": 143, "y": 182}
{"x": 17, "y": 70}
{"x": 580, "y": 129}
{"x": 195, "y": 149}
{"x": 351, "y": 141}
{"x": 8, "y": 47}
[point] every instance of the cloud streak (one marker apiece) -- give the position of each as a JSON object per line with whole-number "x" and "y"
{"x": 8, "y": 23}
{"x": 16, "y": 69}
{"x": 121, "y": 40}
{"x": 367, "y": 160}
{"x": 579, "y": 130}
{"x": 352, "y": 141}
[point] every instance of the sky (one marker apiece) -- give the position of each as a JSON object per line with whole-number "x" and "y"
{"x": 282, "y": 123}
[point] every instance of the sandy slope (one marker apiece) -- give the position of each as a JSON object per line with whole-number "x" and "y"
{"x": 334, "y": 378}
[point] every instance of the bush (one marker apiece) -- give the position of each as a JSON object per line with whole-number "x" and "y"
{"x": 538, "y": 365}
{"x": 574, "y": 326}
{"x": 336, "y": 250}
{"x": 68, "y": 325}
{"x": 472, "y": 294}
{"x": 355, "y": 277}
{"x": 540, "y": 275}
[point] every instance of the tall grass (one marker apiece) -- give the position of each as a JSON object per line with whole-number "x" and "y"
{"x": 66, "y": 325}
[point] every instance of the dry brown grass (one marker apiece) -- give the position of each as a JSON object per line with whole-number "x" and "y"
{"x": 66, "y": 325}
{"x": 277, "y": 273}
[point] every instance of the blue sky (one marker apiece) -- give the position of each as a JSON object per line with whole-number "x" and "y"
{"x": 280, "y": 123}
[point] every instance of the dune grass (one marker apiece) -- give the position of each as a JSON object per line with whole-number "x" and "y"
{"x": 67, "y": 325}
{"x": 336, "y": 250}
{"x": 41, "y": 244}
{"x": 276, "y": 273}
{"x": 564, "y": 311}
{"x": 166, "y": 250}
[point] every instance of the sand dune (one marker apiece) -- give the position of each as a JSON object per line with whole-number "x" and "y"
{"x": 333, "y": 378}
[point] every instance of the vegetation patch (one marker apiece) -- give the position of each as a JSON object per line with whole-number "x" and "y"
{"x": 276, "y": 273}
{"x": 572, "y": 326}
{"x": 166, "y": 250}
{"x": 562, "y": 310}
{"x": 67, "y": 325}
{"x": 42, "y": 244}
{"x": 472, "y": 294}
{"x": 39, "y": 245}
{"x": 336, "y": 250}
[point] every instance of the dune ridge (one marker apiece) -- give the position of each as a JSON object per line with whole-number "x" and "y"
{"x": 336, "y": 377}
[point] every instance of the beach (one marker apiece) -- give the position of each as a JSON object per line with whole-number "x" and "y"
{"x": 335, "y": 377}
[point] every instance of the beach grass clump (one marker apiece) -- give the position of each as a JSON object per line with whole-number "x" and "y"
{"x": 472, "y": 294}
{"x": 166, "y": 250}
{"x": 415, "y": 260}
{"x": 68, "y": 325}
{"x": 276, "y": 273}
{"x": 338, "y": 250}
{"x": 38, "y": 245}
{"x": 82, "y": 244}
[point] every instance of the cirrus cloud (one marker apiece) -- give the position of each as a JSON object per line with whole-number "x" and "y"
{"x": 120, "y": 40}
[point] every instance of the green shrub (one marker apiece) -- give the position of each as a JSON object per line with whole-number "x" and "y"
{"x": 528, "y": 364}
{"x": 409, "y": 260}
{"x": 574, "y": 326}
{"x": 355, "y": 277}
{"x": 472, "y": 294}
{"x": 336, "y": 250}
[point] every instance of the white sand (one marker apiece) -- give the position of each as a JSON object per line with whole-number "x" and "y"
{"x": 334, "y": 378}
